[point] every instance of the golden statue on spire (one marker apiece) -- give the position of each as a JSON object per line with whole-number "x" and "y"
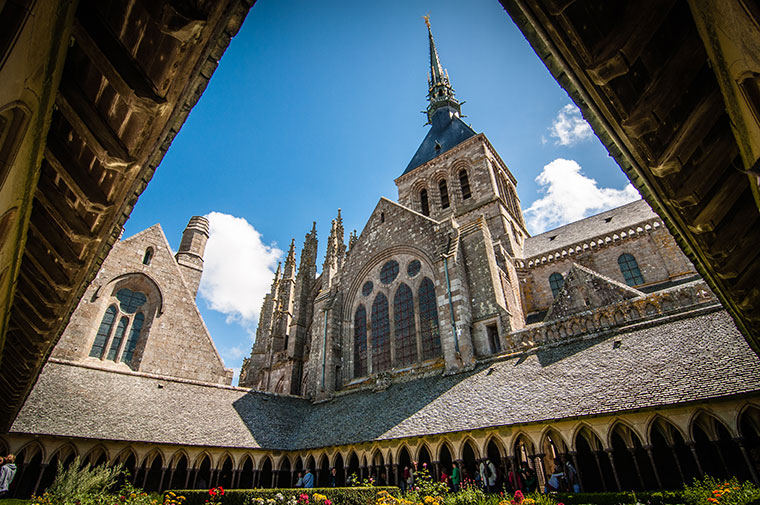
{"x": 426, "y": 17}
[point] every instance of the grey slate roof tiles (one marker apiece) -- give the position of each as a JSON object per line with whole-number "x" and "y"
{"x": 606, "y": 222}
{"x": 690, "y": 359}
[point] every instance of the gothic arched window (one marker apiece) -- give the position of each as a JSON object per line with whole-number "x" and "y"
{"x": 424, "y": 205}
{"x": 464, "y": 183}
{"x": 629, "y": 267}
{"x": 134, "y": 336}
{"x": 403, "y": 323}
{"x": 381, "y": 342}
{"x": 360, "y": 342}
{"x": 148, "y": 256}
{"x": 431, "y": 337}
{"x": 104, "y": 331}
{"x": 444, "y": 194}
{"x": 556, "y": 281}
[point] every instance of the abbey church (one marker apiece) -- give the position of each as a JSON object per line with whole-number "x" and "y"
{"x": 441, "y": 332}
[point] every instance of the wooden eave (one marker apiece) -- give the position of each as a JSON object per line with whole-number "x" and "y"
{"x": 640, "y": 74}
{"x": 132, "y": 73}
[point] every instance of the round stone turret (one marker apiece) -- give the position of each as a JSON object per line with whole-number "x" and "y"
{"x": 191, "y": 249}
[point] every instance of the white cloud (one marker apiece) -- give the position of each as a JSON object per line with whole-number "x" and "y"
{"x": 234, "y": 354}
{"x": 568, "y": 196}
{"x": 238, "y": 269}
{"x": 569, "y": 127}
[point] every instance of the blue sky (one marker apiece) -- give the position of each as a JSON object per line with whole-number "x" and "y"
{"x": 316, "y": 106}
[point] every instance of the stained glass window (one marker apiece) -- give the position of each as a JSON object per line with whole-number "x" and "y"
{"x": 381, "y": 342}
{"x": 360, "y": 342}
{"x": 403, "y": 323}
{"x": 389, "y": 272}
{"x": 104, "y": 331}
{"x": 367, "y": 288}
{"x": 117, "y": 338}
{"x": 556, "y": 281}
{"x": 130, "y": 301}
{"x": 413, "y": 268}
{"x": 464, "y": 183}
{"x": 431, "y": 337}
{"x": 629, "y": 267}
{"x": 444, "y": 194}
{"x": 134, "y": 336}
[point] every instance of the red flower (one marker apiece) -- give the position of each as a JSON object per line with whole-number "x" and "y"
{"x": 212, "y": 491}
{"x": 221, "y": 491}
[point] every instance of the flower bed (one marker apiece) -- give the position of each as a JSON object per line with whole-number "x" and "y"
{"x": 287, "y": 496}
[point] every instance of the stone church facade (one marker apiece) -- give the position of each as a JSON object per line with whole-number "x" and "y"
{"x": 442, "y": 332}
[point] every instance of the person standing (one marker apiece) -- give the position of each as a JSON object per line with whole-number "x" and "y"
{"x": 299, "y": 482}
{"x": 456, "y": 477}
{"x": 492, "y": 475}
{"x": 571, "y": 476}
{"x": 333, "y": 477}
{"x": 7, "y": 472}
{"x": 308, "y": 479}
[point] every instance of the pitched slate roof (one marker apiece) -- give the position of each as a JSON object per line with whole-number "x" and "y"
{"x": 447, "y": 131}
{"x": 652, "y": 366}
{"x": 600, "y": 224}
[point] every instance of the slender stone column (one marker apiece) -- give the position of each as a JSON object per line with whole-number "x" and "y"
{"x": 632, "y": 451}
{"x": 678, "y": 463}
{"x": 574, "y": 457}
{"x": 146, "y": 470}
{"x": 215, "y": 473}
{"x": 614, "y": 470}
{"x": 275, "y": 478}
{"x": 171, "y": 477}
{"x": 599, "y": 467}
{"x": 292, "y": 477}
{"x": 716, "y": 443}
{"x": 393, "y": 477}
{"x": 752, "y": 470}
{"x": 361, "y": 472}
{"x": 188, "y": 471}
{"x": 650, "y": 453}
{"x": 514, "y": 468}
{"x": 195, "y": 477}
{"x": 161, "y": 481}
{"x": 538, "y": 463}
{"x": 134, "y": 477}
{"x": 693, "y": 447}
{"x": 256, "y": 476}
{"x": 436, "y": 470}
{"x": 43, "y": 466}
{"x": 19, "y": 478}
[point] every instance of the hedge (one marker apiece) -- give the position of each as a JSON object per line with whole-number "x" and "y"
{"x": 651, "y": 497}
{"x": 337, "y": 495}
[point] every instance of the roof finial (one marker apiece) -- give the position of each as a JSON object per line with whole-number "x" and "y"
{"x": 440, "y": 92}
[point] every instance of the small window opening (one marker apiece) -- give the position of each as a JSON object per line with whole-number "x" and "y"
{"x": 464, "y": 183}
{"x": 552, "y": 238}
{"x": 607, "y": 219}
{"x": 148, "y": 256}
{"x": 493, "y": 338}
{"x": 444, "y": 194}
{"x": 556, "y": 281}
{"x": 424, "y": 202}
{"x": 382, "y": 217}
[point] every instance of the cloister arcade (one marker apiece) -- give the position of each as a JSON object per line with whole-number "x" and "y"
{"x": 636, "y": 451}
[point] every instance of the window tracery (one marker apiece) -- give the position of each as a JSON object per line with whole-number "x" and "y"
{"x": 629, "y": 267}
{"x": 431, "y": 337}
{"x": 126, "y": 304}
{"x": 381, "y": 342}
{"x": 403, "y": 324}
{"x": 360, "y": 341}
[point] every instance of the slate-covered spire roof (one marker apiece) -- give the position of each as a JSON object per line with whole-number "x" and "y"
{"x": 443, "y": 113}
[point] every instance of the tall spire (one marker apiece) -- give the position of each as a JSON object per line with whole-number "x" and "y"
{"x": 440, "y": 92}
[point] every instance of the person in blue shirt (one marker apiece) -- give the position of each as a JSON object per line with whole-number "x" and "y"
{"x": 308, "y": 479}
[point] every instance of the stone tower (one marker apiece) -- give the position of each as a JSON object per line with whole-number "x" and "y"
{"x": 191, "y": 249}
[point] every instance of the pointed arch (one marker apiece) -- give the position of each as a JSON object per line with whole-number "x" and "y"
{"x": 152, "y": 455}
{"x": 265, "y": 472}
{"x": 709, "y": 422}
{"x": 497, "y": 442}
{"x": 284, "y": 463}
{"x": 590, "y": 434}
{"x": 666, "y": 427}
{"x": 177, "y": 455}
{"x": 550, "y": 436}
{"x": 64, "y": 452}
{"x": 201, "y": 457}
{"x": 310, "y": 463}
{"x": 423, "y": 453}
{"x": 247, "y": 464}
{"x": 179, "y": 475}
{"x": 473, "y": 445}
{"x": 93, "y": 456}
{"x": 748, "y": 420}
{"x": 30, "y": 449}
{"x": 627, "y": 433}
{"x": 226, "y": 466}
{"x": 338, "y": 464}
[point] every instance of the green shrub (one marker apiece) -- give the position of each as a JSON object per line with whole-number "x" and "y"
{"x": 712, "y": 491}
{"x": 337, "y": 495}
{"x": 625, "y": 497}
